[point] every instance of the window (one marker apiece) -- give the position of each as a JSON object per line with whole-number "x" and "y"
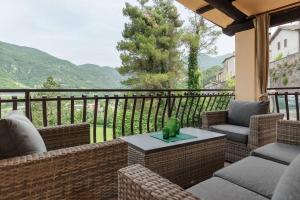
{"x": 285, "y": 42}
{"x": 278, "y": 45}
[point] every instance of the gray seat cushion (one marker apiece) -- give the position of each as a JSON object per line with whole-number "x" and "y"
{"x": 288, "y": 187}
{"x": 239, "y": 112}
{"x": 278, "y": 152}
{"x": 255, "y": 174}
{"x": 219, "y": 189}
{"x": 19, "y": 137}
{"x": 233, "y": 132}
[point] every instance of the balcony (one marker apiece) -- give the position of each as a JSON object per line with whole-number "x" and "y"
{"x": 83, "y": 131}
{"x": 67, "y": 118}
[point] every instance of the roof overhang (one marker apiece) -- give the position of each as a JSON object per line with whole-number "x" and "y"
{"x": 237, "y": 15}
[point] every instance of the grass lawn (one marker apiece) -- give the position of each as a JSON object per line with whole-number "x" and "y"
{"x": 109, "y": 133}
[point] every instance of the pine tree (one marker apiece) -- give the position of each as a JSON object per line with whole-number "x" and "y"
{"x": 149, "y": 49}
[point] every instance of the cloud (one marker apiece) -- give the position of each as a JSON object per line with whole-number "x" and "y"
{"x": 80, "y": 31}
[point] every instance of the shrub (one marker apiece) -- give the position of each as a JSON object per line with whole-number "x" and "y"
{"x": 285, "y": 81}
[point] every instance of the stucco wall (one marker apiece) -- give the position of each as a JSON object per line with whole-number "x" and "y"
{"x": 245, "y": 88}
{"x": 292, "y": 38}
{"x": 230, "y": 66}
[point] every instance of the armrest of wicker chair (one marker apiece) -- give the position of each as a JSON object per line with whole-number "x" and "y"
{"x": 81, "y": 172}
{"x": 59, "y": 137}
{"x": 138, "y": 182}
{"x": 263, "y": 129}
{"x": 214, "y": 117}
{"x": 288, "y": 132}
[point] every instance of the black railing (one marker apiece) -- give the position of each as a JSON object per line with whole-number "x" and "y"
{"x": 113, "y": 112}
{"x": 285, "y": 100}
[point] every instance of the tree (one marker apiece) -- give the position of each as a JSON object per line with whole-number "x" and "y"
{"x": 149, "y": 49}
{"x": 209, "y": 75}
{"x": 50, "y": 83}
{"x": 230, "y": 83}
{"x": 200, "y": 37}
{"x": 37, "y": 116}
{"x": 278, "y": 57}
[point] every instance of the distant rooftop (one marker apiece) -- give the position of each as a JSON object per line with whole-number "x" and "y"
{"x": 294, "y": 27}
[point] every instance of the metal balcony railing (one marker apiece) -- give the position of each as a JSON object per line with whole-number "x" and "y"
{"x": 285, "y": 100}
{"x": 113, "y": 112}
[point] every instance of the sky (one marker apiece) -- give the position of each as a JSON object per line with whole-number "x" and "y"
{"x": 81, "y": 31}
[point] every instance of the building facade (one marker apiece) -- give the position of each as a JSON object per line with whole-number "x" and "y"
{"x": 227, "y": 71}
{"x": 285, "y": 41}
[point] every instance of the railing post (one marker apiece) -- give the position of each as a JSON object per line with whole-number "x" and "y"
{"x": 58, "y": 108}
{"x": 287, "y": 108}
{"x": 84, "y": 108}
{"x": 276, "y": 102}
{"x": 44, "y": 111}
{"x": 95, "y": 119}
{"x": 169, "y": 103}
{"x": 0, "y": 108}
{"x": 27, "y": 105}
{"x": 15, "y": 102}
{"x": 297, "y": 105}
{"x": 105, "y": 117}
{"x": 72, "y": 117}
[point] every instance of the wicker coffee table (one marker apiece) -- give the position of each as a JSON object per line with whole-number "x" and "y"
{"x": 185, "y": 162}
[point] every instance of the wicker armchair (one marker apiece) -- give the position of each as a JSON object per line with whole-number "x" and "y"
{"x": 71, "y": 169}
{"x": 288, "y": 132}
{"x": 137, "y": 182}
{"x": 262, "y": 131}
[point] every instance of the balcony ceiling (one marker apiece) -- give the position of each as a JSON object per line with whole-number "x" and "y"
{"x": 236, "y": 15}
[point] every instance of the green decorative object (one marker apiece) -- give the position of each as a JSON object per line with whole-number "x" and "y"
{"x": 166, "y": 133}
{"x": 174, "y": 127}
{"x": 171, "y": 132}
{"x": 180, "y": 137}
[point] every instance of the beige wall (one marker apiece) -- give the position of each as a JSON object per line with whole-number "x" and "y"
{"x": 245, "y": 65}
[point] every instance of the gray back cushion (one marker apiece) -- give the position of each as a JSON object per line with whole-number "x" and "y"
{"x": 19, "y": 137}
{"x": 288, "y": 187}
{"x": 240, "y": 111}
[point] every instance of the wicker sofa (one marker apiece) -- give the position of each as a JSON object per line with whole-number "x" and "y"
{"x": 261, "y": 176}
{"x": 241, "y": 140}
{"x": 71, "y": 169}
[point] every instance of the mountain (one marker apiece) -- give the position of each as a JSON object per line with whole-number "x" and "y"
{"x": 22, "y": 67}
{"x": 205, "y": 61}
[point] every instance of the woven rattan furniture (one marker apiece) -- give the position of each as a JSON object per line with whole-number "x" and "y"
{"x": 257, "y": 177}
{"x": 262, "y": 131}
{"x": 288, "y": 132}
{"x": 138, "y": 182}
{"x": 71, "y": 169}
{"x": 183, "y": 162}
{"x": 287, "y": 145}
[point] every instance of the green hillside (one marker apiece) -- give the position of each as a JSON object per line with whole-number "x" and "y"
{"x": 28, "y": 67}
{"x": 206, "y": 61}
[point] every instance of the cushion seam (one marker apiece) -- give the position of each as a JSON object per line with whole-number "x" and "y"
{"x": 259, "y": 155}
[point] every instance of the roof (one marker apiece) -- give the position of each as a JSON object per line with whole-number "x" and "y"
{"x": 237, "y": 15}
{"x": 295, "y": 27}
